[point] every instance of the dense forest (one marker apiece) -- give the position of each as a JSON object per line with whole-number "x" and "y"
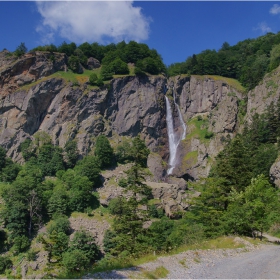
{"x": 113, "y": 57}
{"x": 247, "y": 61}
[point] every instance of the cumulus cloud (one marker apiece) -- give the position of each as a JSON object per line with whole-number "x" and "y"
{"x": 92, "y": 21}
{"x": 275, "y": 9}
{"x": 263, "y": 27}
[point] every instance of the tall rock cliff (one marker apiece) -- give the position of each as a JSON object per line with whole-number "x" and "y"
{"x": 32, "y": 100}
{"x": 210, "y": 109}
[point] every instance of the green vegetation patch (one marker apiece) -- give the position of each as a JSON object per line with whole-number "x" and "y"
{"x": 190, "y": 158}
{"x": 198, "y": 127}
{"x": 231, "y": 82}
{"x": 154, "y": 201}
{"x": 159, "y": 273}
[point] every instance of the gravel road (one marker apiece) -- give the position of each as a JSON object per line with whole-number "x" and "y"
{"x": 260, "y": 264}
{"x": 250, "y": 262}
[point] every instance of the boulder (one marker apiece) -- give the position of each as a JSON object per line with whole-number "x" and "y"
{"x": 157, "y": 167}
{"x": 93, "y": 63}
{"x": 172, "y": 196}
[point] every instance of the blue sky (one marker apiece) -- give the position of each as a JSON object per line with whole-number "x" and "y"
{"x": 175, "y": 29}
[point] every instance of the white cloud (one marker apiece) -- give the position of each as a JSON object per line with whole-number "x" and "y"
{"x": 263, "y": 27}
{"x": 82, "y": 21}
{"x": 275, "y": 9}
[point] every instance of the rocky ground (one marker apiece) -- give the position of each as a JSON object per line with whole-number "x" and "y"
{"x": 250, "y": 262}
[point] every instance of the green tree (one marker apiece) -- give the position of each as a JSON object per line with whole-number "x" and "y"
{"x": 86, "y": 49}
{"x": 93, "y": 79}
{"x": 84, "y": 242}
{"x": 10, "y": 171}
{"x": 274, "y": 57}
{"x": 89, "y": 166}
{"x": 2, "y": 157}
{"x": 22, "y": 213}
{"x": 82, "y": 58}
{"x": 232, "y": 162}
{"x": 5, "y": 263}
{"x": 74, "y": 64}
{"x": 103, "y": 151}
{"x": 158, "y": 234}
{"x": 123, "y": 152}
{"x": 256, "y": 208}
{"x": 79, "y": 190}
{"x": 55, "y": 243}
{"x": 20, "y": 244}
{"x": 106, "y": 72}
{"x": 68, "y": 49}
{"x": 71, "y": 153}
{"x": 50, "y": 159}
{"x": 20, "y": 50}
{"x": 99, "y": 82}
{"x": 75, "y": 260}
{"x": 59, "y": 224}
{"x": 209, "y": 207}
{"x": 119, "y": 67}
{"x": 128, "y": 225}
{"x": 139, "y": 151}
{"x": 58, "y": 202}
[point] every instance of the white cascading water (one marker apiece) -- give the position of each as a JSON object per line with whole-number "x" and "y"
{"x": 174, "y": 140}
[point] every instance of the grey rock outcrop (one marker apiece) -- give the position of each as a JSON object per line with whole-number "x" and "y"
{"x": 212, "y": 104}
{"x": 129, "y": 106}
{"x": 29, "y": 68}
{"x": 6, "y": 57}
{"x": 275, "y": 173}
{"x": 157, "y": 167}
{"x": 93, "y": 63}
{"x": 172, "y": 198}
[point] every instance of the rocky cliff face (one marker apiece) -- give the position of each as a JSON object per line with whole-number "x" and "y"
{"x": 210, "y": 110}
{"x": 32, "y": 101}
{"x": 15, "y": 73}
{"x": 126, "y": 107}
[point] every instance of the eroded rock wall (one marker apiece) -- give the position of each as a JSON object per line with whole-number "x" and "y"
{"x": 126, "y": 107}
{"x": 31, "y": 101}
{"x": 209, "y": 105}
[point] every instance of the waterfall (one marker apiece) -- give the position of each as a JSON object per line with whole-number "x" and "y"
{"x": 174, "y": 140}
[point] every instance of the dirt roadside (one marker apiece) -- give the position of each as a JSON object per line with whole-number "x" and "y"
{"x": 249, "y": 262}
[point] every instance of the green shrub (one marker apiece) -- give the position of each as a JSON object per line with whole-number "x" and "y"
{"x": 20, "y": 244}
{"x": 93, "y": 79}
{"x": 59, "y": 224}
{"x": 103, "y": 151}
{"x": 139, "y": 72}
{"x": 115, "y": 206}
{"x": 155, "y": 212}
{"x": 209, "y": 134}
{"x": 20, "y": 50}
{"x": 84, "y": 242}
{"x": 5, "y": 263}
{"x": 31, "y": 255}
{"x": 75, "y": 260}
{"x": 99, "y": 82}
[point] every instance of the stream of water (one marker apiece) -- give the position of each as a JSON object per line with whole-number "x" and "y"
{"x": 174, "y": 138}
